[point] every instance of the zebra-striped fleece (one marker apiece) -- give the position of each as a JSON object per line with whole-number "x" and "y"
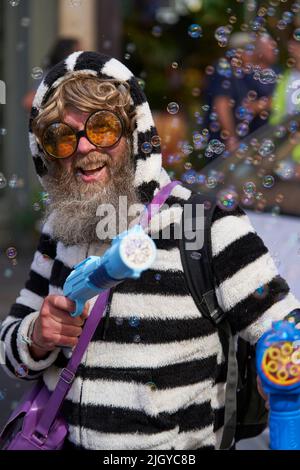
{"x": 154, "y": 377}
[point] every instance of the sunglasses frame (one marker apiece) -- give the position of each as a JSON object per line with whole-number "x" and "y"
{"x": 83, "y": 133}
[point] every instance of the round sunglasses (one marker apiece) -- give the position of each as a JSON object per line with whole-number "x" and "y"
{"x": 102, "y": 128}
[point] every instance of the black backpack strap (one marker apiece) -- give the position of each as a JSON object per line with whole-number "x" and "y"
{"x": 197, "y": 265}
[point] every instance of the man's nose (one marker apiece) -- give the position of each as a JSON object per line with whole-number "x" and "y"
{"x": 84, "y": 145}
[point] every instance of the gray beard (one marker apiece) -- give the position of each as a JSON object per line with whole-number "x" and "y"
{"x": 73, "y": 204}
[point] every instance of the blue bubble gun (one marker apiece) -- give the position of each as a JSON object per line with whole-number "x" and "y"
{"x": 131, "y": 253}
{"x": 278, "y": 366}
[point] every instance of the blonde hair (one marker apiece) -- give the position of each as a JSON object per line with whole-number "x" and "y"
{"x": 86, "y": 93}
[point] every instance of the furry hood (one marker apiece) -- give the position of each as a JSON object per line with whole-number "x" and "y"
{"x": 149, "y": 174}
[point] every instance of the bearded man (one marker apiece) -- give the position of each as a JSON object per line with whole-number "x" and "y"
{"x": 157, "y": 382}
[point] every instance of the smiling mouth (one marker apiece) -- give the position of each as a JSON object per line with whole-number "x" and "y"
{"x": 91, "y": 173}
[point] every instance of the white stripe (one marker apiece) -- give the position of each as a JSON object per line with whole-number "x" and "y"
{"x": 108, "y": 354}
{"x": 95, "y": 440}
{"x": 72, "y": 59}
{"x": 133, "y": 396}
{"x": 24, "y": 352}
{"x": 153, "y": 307}
{"x": 144, "y": 118}
{"x": 162, "y": 221}
{"x": 7, "y": 321}
{"x": 146, "y": 170}
{"x": 276, "y": 312}
{"x": 218, "y": 395}
{"x": 244, "y": 282}
{"x": 195, "y": 439}
{"x": 42, "y": 265}
{"x": 71, "y": 255}
{"x": 33, "y": 144}
{"x": 167, "y": 260}
{"x": 117, "y": 70}
{"x": 30, "y": 299}
{"x": 41, "y": 91}
{"x": 227, "y": 230}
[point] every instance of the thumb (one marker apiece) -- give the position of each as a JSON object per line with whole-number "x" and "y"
{"x": 85, "y": 311}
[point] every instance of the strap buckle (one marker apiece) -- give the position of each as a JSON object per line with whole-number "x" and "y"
{"x": 67, "y": 375}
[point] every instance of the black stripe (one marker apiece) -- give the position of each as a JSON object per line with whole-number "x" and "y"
{"x": 16, "y": 355}
{"x": 219, "y": 418}
{"x": 91, "y": 61}
{"x": 121, "y": 420}
{"x": 47, "y": 246}
{"x": 250, "y": 309}
{"x": 137, "y": 94}
{"x": 146, "y": 191}
{"x": 143, "y": 137}
{"x": 195, "y": 417}
{"x": 20, "y": 310}
{"x": 54, "y": 74}
{"x": 238, "y": 255}
{"x": 4, "y": 330}
{"x": 59, "y": 274}
{"x": 39, "y": 165}
{"x": 156, "y": 282}
{"x": 221, "y": 373}
{"x": 158, "y": 331}
{"x": 37, "y": 284}
{"x": 170, "y": 376}
{"x": 219, "y": 213}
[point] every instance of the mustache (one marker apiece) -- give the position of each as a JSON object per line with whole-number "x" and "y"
{"x": 93, "y": 158}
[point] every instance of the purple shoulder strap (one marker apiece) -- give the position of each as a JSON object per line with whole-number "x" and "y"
{"x": 67, "y": 374}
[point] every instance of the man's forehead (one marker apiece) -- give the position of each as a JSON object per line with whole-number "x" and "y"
{"x": 72, "y": 115}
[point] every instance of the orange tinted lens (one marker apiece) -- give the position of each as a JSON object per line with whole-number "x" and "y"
{"x": 104, "y": 129}
{"x": 59, "y": 140}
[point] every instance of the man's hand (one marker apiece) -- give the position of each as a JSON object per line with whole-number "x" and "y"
{"x": 262, "y": 393}
{"x": 55, "y": 326}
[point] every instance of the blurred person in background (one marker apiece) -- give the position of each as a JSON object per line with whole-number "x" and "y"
{"x": 240, "y": 88}
{"x": 60, "y": 50}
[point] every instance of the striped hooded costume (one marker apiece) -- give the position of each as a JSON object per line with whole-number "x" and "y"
{"x": 159, "y": 382}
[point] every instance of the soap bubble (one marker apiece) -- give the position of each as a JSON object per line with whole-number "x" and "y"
{"x": 141, "y": 83}
{"x": 242, "y": 129}
{"x": 25, "y": 22}
{"x": 131, "y": 47}
{"x": 187, "y": 148}
{"x": 261, "y": 292}
{"x": 137, "y": 339}
{"x": 195, "y": 31}
{"x": 14, "y": 3}
{"x": 156, "y": 31}
{"x": 2, "y": 394}
{"x": 267, "y": 76}
{"x": 3, "y": 131}
{"x": 134, "y": 322}
{"x": 146, "y": 147}
{"x": 227, "y": 199}
{"x": 119, "y": 321}
{"x": 209, "y": 70}
{"x": 36, "y": 207}
{"x": 216, "y": 146}
{"x": 249, "y": 188}
{"x": 287, "y": 16}
{"x": 8, "y": 272}
{"x": 11, "y": 252}
{"x": 152, "y": 386}
{"x": 211, "y": 182}
{"x": 223, "y": 68}
{"x": 268, "y": 181}
{"x": 174, "y": 65}
{"x": 127, "y": 56}
{"x": 222, "y": 35}
{"x": 3, "y": 181}
{"x": 157, "y": 277}
{"x": 173, "y": 108}
{"x": 37, "y": 73}
{"x": 267, "y": 147}
{"x": 296, "y": 34}
{"x": 21, "y": 371}
{"x": 156, "y": 141}
{"x": 13, "y": 182}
